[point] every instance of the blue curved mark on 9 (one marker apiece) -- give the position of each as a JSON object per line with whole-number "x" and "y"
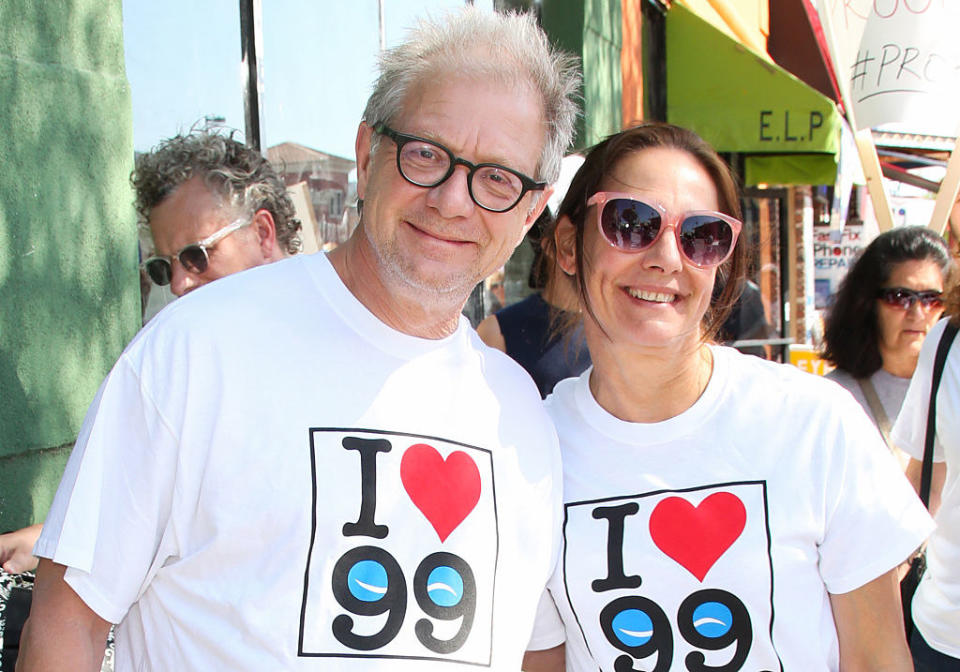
{"x": 445, "y": 586}
{"x": 367, "y": 580}
{"x": 632, "y": 627}
{"x": 712, "y": 619}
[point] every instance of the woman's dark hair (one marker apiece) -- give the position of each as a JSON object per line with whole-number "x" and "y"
{"x": 951, "y": 302}
{"x": 851, "y": 333}
{"x": 540, "y": 266}
{"x": 606, "y": 155}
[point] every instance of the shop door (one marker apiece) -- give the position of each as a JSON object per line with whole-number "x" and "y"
{"x": 763, "y": 314}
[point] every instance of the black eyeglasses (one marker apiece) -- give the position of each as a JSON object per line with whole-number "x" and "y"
{"x": 427, "y": 164}
{"x": 903, "y": 298}
{"x": 192, "y": 257}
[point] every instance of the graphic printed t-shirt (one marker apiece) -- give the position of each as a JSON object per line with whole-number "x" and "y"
{"x": 710, "y": 540}
{"x": 272, "y": 479}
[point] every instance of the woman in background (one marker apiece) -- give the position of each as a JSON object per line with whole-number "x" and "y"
{"x": 527, "y": 330}
{"x": 883, "y": 310}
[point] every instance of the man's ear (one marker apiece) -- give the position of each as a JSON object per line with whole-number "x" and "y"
{"x": 266, "y": 231}
{"x": 534, "y": 213}
{"x": 363, "y": 148}
{"x": 565, "y": 238}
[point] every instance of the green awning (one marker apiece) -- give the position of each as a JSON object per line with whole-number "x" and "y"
{"x": 740, "y": 102}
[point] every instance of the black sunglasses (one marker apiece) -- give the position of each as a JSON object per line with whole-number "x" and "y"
{"x": 426, "y": 163}
{"x": 903, "y": 298}
{"x": 192, "y": 257}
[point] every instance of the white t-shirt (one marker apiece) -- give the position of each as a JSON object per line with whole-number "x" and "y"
{"x": 719, "y": 532}
{"x": 272, "y": 479}
{"x": 936, "y": 604}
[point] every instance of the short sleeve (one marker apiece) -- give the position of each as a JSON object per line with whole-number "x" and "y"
{"x": 548, "y": 628}
{"x": 874, "y": 520}
{"x": 910, "y": 429}
{"x": 113, "y": 503}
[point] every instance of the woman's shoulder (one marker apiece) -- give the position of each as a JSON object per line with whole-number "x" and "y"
{"x": 843, "y": 378}
{"x": 751, "y": 371}
{"x": 532, "y": 304}
{"x": 932, "y": 340}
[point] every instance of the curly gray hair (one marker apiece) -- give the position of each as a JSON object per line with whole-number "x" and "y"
{"x": 508, "y": 48}
{"x": 239, "y": 174}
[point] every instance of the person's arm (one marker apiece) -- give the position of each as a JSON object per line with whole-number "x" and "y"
{"x": 489, "y": 332}
{"x": 62, "y": 632}
{"x": 937, "y": 477}
{"x": 548, "y": 660}
{"x": 16, "y": 549}
{"x": 870, "y": 627}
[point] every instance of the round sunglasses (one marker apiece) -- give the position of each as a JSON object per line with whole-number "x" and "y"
{"x": 192, "y": 257}
{"x": 704, "y": 237}
{"x": 904, "y": 299}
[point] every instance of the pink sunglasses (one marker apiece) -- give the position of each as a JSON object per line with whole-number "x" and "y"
{"x": 705, "y": 238}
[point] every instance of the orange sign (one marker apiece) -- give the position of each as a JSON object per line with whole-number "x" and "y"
{"x": 806, "y": 358}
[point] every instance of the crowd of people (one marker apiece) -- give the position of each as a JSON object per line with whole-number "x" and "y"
{"x": 319, "y": 464}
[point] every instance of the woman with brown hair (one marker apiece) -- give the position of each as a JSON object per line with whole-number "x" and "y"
{"x": 886, "y": 304}
{"x": 721, "y": 512}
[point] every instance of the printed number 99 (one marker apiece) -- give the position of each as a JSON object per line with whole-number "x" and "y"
{"x": 710, "y": 620}
{"x": 368, "y": 581}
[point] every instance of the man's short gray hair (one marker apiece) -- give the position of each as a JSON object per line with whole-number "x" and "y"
{"x": 237, "y": 173}
{"x": 508, "y": 48}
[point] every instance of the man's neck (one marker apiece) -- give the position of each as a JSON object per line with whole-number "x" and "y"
{"x": 401, "y": 307}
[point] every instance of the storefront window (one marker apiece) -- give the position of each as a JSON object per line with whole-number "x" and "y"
{"x": 760, "y": 327}
{"x": 319, "y": 63}
{"x": 183, "y": 64}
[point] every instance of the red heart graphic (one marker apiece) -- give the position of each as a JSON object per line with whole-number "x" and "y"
{"x": 696, "y": 537}
{"x": 444, "y": 490}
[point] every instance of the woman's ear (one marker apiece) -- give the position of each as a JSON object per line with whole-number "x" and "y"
{"x": 565, "y": 238}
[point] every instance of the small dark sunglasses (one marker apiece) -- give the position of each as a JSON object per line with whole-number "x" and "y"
{"x": 192, "y": 257}
{"x": 704, "y": 237}
{"x": 903, "y": 298}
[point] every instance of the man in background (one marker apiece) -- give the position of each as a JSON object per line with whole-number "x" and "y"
{"x": 213, "y": 207}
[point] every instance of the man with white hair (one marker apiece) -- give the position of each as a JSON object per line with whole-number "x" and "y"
{"x": 317, "y": 464}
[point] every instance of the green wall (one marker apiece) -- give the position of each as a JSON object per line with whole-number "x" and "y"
{"x": 69, "y": 297}
{"x": 591, "y": 29}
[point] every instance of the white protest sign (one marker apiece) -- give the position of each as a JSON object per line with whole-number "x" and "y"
{"x": 898, "y": 61}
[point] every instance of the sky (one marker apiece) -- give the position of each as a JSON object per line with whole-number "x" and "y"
{"x": 318, "y": 64}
